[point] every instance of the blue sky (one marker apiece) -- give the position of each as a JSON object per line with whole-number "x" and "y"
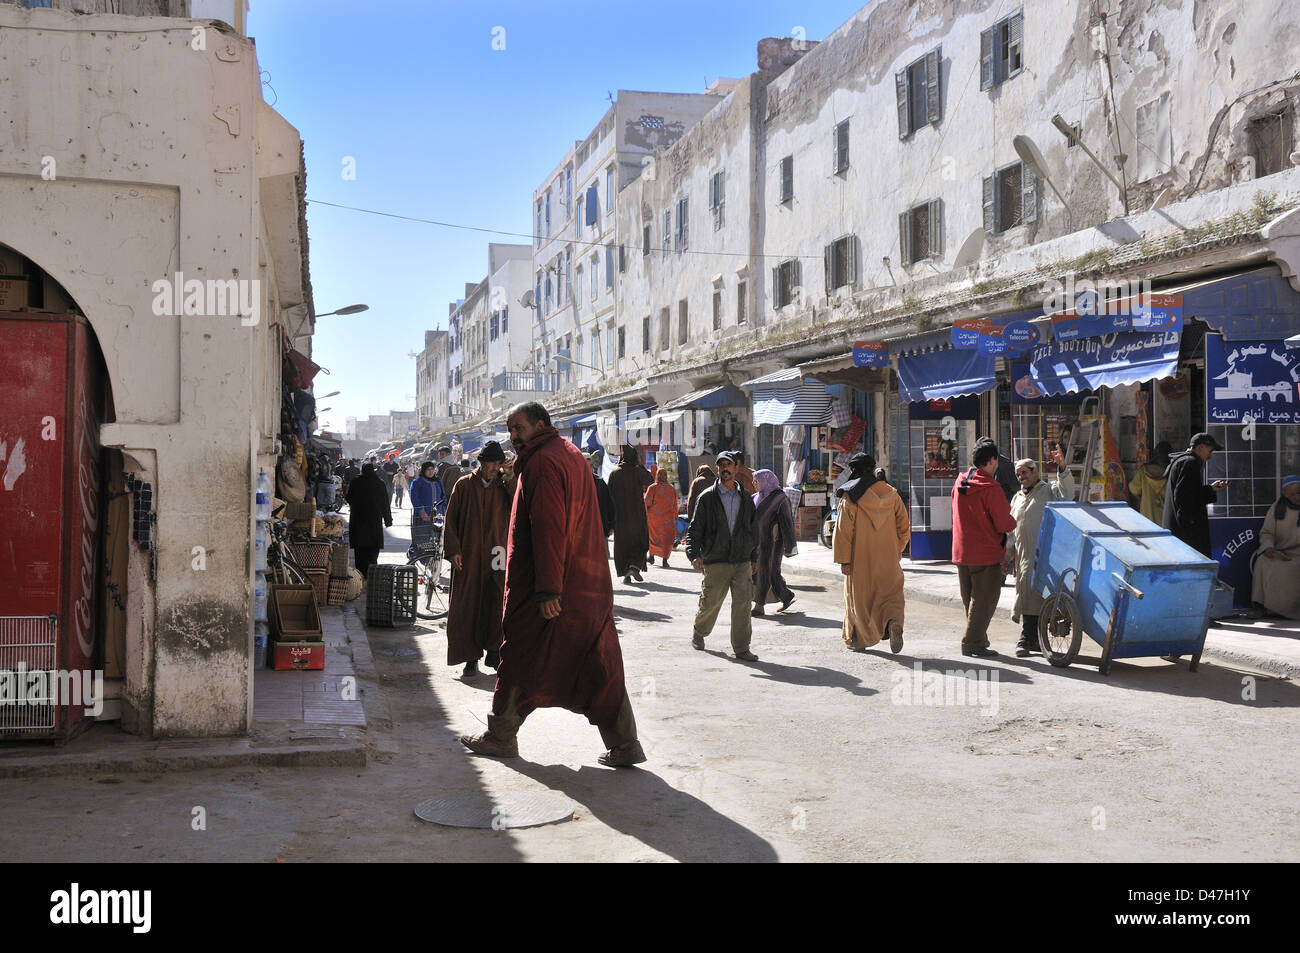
{"x": 441, "y": 126}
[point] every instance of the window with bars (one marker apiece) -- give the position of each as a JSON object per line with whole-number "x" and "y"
{"x": 787, "y": 179}
{"x": 622, "y": 342}
{"x": 645, "y": 334}
{"x": 645, "y": 240}
{"x": 918, "y": 93}
{"x": 683, "y": 323}
{"x": 920, "y": 232}
{"x": 1001, "y": 50}
{"x": 717, "y": 310}
{"x": 1253, "y": 468}
{"x": 742, "y": 302}
{"x": 841, "y": 147}
{"x": 1010, "y": 198}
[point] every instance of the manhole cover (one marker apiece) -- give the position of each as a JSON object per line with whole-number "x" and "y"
{"x": 496, "y": 810}
{"x": 398, "y": 652}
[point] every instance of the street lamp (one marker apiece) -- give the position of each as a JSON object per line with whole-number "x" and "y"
{"x": 1073, "y": 138}
{"x": 349, "y": 309}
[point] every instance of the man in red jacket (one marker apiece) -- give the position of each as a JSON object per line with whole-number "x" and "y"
{"x": 981, "y": 520}
{"x": 560, "y": 648}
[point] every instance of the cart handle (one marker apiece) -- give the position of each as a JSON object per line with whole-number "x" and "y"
{"x": 1123, "y": 584}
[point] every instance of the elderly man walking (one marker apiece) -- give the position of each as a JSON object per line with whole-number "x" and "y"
{"x": 981, "y": 521}
{"x": 474, "y": 540}
{"x": 722, "y": 543}
{"x": 1022, "y": 545}
{"x": 627, "y": 485}
{"x": 560, "y": 648}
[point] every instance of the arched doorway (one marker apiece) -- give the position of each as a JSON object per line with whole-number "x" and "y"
{"x": 63, "y": 605}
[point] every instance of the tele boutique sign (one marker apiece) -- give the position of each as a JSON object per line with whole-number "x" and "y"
{"x": 1255, "y": 379}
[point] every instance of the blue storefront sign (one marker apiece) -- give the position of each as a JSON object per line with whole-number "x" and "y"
{"x": 1255, "y": 379}
{"x": 1107, "y": 361}
{"x": 870, "y": 354}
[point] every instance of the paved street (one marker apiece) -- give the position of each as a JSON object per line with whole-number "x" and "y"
{"x": 811, "y": 753}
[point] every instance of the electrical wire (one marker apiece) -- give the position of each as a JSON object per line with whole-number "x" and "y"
{"x": 536, "y": 238}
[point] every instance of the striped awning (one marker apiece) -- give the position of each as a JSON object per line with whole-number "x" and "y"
{"x": 784, "y": 398}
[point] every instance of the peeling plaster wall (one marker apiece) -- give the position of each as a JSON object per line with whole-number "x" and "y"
{"x": 155, "y": 177}
{"x": 1193, "y": 53}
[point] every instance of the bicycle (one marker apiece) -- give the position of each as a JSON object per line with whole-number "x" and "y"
{"x": 280, "y": 560}
{"x": 425, "y": 553}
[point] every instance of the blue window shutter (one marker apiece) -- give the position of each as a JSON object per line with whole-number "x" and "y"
{"x": 592, "y": 199}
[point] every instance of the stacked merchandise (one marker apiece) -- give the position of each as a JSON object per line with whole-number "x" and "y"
{"x": 260, "y": 544}
{"x": 340, "y": 574}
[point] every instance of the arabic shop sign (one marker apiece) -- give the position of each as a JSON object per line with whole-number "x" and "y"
{"x": 1255, "y": 379}
{"x": 983, "y": 335}
{"x": 870, "y": 353}
{"x": 1096, "y": 315}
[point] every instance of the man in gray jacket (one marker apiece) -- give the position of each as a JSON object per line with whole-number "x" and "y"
{"x": 722, "y": 543}
{"x": 1027, "y": 508}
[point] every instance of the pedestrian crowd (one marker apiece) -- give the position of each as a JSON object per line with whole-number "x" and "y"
{"x": 532, "y": 595}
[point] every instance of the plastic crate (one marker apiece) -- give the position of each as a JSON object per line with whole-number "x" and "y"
{"x": 312, "y": 553}
{"x": 320, "y": 581}
{"x": 390, "y": 595}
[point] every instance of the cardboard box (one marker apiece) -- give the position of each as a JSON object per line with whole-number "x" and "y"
{"x": 13, "y": 293}
{"x": 294, "y": 616}
{"x": 807, "y": 523}
{"x": 301, "y": 656}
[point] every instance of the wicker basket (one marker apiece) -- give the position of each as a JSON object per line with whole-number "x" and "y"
{"x": 338, "y": 591}
{"x": 339, "y": 560}
{"x": 312, "y": 553}
{"x": 320, "y": 580}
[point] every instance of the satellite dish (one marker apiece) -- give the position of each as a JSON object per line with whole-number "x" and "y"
{"x": 528, "y": 299}
{"x": 1030, "y": 155}
{"x": 970, "y": 249}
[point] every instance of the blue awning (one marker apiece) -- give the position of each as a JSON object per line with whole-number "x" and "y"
{"x": 1256, "y": 305}
{"x": 470, "y": 442}
{"x": 586, "y": 420}
{"x": 944, "y": 372}
{"x": 710, "y": 398}
{"x": 1088, "y": 363}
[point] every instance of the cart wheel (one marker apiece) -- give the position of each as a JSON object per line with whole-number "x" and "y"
{"x": 1058, "y": 630}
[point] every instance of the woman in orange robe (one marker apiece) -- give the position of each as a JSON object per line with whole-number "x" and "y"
{"x": 661, "y": 515}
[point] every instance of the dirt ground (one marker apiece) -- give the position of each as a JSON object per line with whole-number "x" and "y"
{"x": 812, "y": 753}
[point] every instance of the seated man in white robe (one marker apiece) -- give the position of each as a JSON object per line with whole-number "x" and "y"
{"x": 1276, "y": 586}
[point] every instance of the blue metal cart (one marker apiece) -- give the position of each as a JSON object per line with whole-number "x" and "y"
{"x": 1135, "y": 589}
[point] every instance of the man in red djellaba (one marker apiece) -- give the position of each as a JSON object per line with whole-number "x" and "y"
{"x": 560, "y": 648}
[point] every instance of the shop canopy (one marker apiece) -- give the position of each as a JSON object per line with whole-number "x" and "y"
{"x": 786, "y": 398}
{"x": 710, "y": 398}
{"x": 1088, "y": 363}
{"x": 944, "y": 371}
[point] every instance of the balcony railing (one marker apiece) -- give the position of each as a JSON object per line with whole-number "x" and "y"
{"x": 522, "y": 381}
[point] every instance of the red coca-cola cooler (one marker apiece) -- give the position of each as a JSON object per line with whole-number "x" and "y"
{"x": 51, "y": 406}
